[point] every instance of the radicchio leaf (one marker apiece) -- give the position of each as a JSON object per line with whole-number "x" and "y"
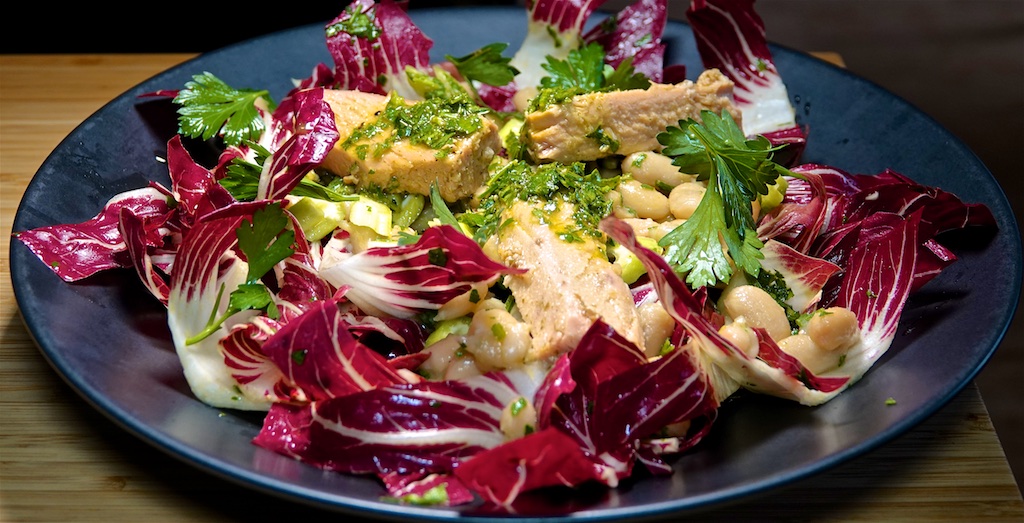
{"x": 420, "y": 488}
{"x": 251, "y": 367}
{"x": 634, "y": 33}
{"x": 209, "y": 266}
{"x": 206, "y": 270}
{"x": 135, "y": 232}
{"x": 594, "y": 407}
{"x": 805, "y": 275}
{"x": 543, "y": 459}
{"x": 421, "y": 428}
{"x": 319, "y": 355}
{"x": 372, "y": 44}
{"x": 406, "y": 280}
{"x": 194, "y": 187}
{"x": 313, "y": 135}
{"x": 730, "y": 37}
{"x": 79, "y": 250}
{"x": 554, "y": 28}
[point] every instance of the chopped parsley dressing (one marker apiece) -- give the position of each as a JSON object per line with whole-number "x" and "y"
{"x": 358, "y": 24}
{"x": 547, "y": 185}
{"x": 435, "y": 123}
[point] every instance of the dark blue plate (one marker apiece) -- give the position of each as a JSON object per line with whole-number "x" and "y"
{"x": 108, "y": 339}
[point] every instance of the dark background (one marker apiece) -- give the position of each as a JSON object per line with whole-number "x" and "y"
{"x": 960, "y": 62}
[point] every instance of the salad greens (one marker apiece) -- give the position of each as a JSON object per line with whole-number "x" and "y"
{"x": 737, "y": 170}
{"x": 208, "y": 107}
{"x": 385, "y": 335}
{"x": 265, "y": 241}
{"x": 486, "y": 65}
{"x": 585, "y": 71}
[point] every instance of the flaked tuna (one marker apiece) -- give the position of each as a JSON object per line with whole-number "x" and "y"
{"x": 597, "y": 125}
{"x": 567, "y": 285}
{"x": 405, "y": 166}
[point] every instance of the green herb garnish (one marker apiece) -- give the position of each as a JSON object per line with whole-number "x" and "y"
{"x": 265, "y": 241}
{"x": 736, "y": 170}
{"x": 546, "y": 184}
{"x": 486, "y": 65}
{"x": 584, "y": 71}
{"x": 208, "y": 107}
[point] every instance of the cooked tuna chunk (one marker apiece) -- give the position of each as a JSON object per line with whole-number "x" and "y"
{"x": 596, "y": 125}
{"x": 567, "y": 286}
{"x": 406, "y": 166}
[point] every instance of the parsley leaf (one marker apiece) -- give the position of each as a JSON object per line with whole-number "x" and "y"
{"x": 486, "y": 65}
{"x": 584, "y": 71}
{"x": 737, "y": 169}
{"x": 264, "y": 241}
{"x": 208, "y": 106}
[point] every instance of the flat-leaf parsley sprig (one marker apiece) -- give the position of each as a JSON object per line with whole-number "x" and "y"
{"x": 737, "y": 170}
{"x": 209, "y": 107}
{"x": 585, "y": 71}
{"x": 265, "y": 241}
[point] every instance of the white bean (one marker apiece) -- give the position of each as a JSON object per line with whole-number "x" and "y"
{"x": 652, "y": 168}
{"x": 684, "y": 198}
{"x": 517, "y": 418}
{"x": 643, "y": 200}
{"x": 497, "y": 340}
{"x": 462, "y": 304}
{"x": 656, "y": 325}
{"x": 645, "y": 227}
{"x": 741, "y": 336}
{"x": 619, "y": 208}
{"x": 665, "y": 228}
{"x": 757, "y": 308}
{"x": 816, "y": 359}
{"x": 833, "y": 328}
{"x": 442, "y": 355}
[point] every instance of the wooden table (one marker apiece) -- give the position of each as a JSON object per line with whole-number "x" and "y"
{"x": 60, "y": 460}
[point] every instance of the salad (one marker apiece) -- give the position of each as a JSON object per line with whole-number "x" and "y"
{"x": 519, "y": 268}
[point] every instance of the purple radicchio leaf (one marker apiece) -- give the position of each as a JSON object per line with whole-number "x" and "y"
{"x": 251, "y": 367}
{"x": 805, "y": 275}
{"x": 890, "y": 191}
{"x": 879, "y": 274}
{"x": 375, "y": 58}
{"x": 401, "y": 486}
{"x": 421, "y": 428}
{"x": 546, "y": 458}
{"x": 595, "y": 406}
{"x": 76, "y": 251}
{"x": 770, "y": 352}
{"x": 194, "y": 187}
{"x": 635, "y": 33}
{"x": 314, "y": 134}
{"x": 406, "y": 280}
{"x": 554, "y": 28}
{"x": 802, "y": 215}
{"x": 730, "y": 37}
{"x": 320, "y": 356}
{"x": 135, "y": 232}
{"x": 206, "y": 269}
{"x": 393, "y": 337}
